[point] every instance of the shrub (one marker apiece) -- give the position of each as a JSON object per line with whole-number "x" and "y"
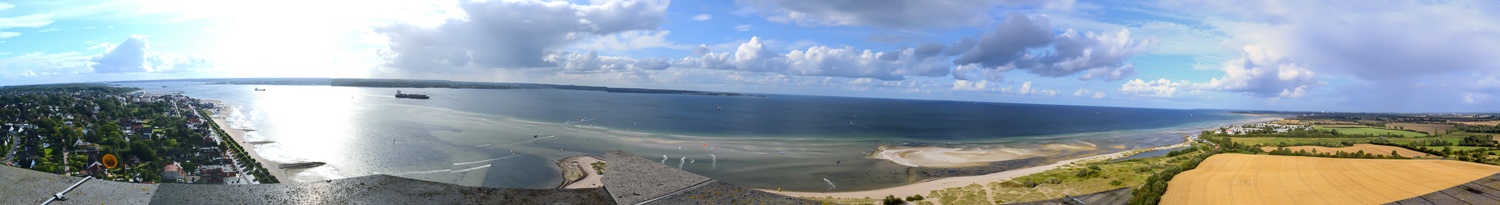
{"x": 891, "y": 200}
{"x": 1115, "y": 183}
{"x": 1053, "y": 180}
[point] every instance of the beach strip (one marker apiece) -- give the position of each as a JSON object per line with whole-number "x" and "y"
{"x": 239, "y": 136}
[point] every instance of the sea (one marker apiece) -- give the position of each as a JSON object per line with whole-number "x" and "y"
{"x": 514, "y": 138}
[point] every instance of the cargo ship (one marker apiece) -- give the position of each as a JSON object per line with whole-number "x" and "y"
{"x": 412, "y": 96}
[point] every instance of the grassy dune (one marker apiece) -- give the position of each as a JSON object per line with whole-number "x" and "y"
{"x": 1267, "y": 179}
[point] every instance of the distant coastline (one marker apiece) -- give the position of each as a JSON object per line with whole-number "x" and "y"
{"x": 397, "y": 83}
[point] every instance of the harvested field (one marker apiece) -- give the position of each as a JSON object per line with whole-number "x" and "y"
{"x": 1490, "y": 123}
{"x": 1368, "y": 148}
{"x": 1267, "y": 179}
{"x": 1429, "y": 128}
{"x": 1373, "y": 131}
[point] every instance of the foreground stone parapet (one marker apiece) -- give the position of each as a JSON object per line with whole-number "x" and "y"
{"x": 1484, "y": 190}
{"x": 376, "y": 189}
{"x": 634, "y": 180}
{"x": 23, "y": 186}
{"x": 718, "y": 192}
{"x": 631, "y": 179}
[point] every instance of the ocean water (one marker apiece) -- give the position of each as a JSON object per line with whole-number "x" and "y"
{"x": 512, "y": 138}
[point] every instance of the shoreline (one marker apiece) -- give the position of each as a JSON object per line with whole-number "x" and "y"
{"x": 238, "y": 135}
{"x": 951, "y": 182}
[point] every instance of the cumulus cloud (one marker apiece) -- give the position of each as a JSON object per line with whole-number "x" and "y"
{"x": 37, "y": 63}
{"x": 631, "y": 40}
{"x": 1161, "y": 88}
{"x": 1009, "y": 47}
{"x": 896, "y": 14}
{"x": 756, "y": 56}
{"x": 703, "y": 17}
{"x": 1089, "y": 93}
{"x": 1264, "y": 73}
{"x": 1026, "y": 89}
{"x": 134, "y": 55}
{"x": 965, "y": 85}
{"x": 512, "y": 34}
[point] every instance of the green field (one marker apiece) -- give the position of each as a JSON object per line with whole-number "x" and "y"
{"x": 1456, "y": 148}
{"x": 1274, "y": 140}
{"x": 1374, "y": 131}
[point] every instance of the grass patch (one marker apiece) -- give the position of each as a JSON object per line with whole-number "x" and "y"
{"x": 1429, "y": 128}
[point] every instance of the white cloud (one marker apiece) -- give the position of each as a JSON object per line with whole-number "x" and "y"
{"x": 1026, "y": 89}
{"x": 965, "y": 85}
{"x": 756, "y": 56}
{"x": 9, "y": 34}
{"x": 48, "y": 30}
{"x": 897, "y": 14}
{"x": 703, "y": 17}
{"x": 1161, "y": 88}
{"x": 631, "y": 40}
{"x": 513, "y": 34}
{"x": 37, "y": 63}
{"x": 33, "y": 20}
{"x": 1088, "y": 93}
{"x": 742, "y": 28}
{"x": 1264, "y": 73}
{"x": 104, "y": 45}
{"x": 133, "y": 55}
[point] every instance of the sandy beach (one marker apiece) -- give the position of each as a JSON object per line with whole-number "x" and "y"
{"x": 239, "y": 136}
{"x": 928, "y": 186}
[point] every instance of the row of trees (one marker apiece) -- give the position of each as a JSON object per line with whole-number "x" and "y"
{"x": 1476, "y": 128}
{"x": 1155, "y": 186}
{"x": 1337, "y": 154}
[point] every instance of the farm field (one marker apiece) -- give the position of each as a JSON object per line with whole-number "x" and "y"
{"x": 1460, "y": 148}
{"x": 1429, "y": 128}
{"x": 1368, "y": 148}
{"x": 1490, "y": 123}
{"x": 1268, "y": 179}
{"x": 1277, "y": 140}
{"x": 1372, "y": 131}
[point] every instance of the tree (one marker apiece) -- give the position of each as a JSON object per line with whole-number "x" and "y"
{"x": 892, "y": 200}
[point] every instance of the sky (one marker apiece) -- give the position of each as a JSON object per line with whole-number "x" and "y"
{"x": 1294, "y": 55}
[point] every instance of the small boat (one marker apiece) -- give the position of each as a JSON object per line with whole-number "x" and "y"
{"x": 260, "y": 89}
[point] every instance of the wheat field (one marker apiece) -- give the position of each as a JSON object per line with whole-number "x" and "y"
{"x": 1267, "y": 179}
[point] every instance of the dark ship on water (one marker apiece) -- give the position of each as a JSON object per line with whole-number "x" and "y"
{"x": 412, "y": 96}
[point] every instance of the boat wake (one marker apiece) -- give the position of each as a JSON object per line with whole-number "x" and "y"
{"x": 482, "y": 161}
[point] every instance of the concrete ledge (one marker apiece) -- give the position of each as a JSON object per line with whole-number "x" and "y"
{"x": 718, "y": 192}
{"x": 631, "y": 179}
{"x": 376, "y": 189}
{"x": 24, "y": 186}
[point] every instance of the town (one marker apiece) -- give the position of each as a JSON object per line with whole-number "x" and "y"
{"x": 120, "y": 134}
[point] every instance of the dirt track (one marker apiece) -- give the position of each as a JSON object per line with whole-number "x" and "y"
{"x": 1266, "y": 179}
{"x": 1368, "y": 148}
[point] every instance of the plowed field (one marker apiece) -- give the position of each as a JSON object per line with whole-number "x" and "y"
{"x": 1266, "y": 179}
